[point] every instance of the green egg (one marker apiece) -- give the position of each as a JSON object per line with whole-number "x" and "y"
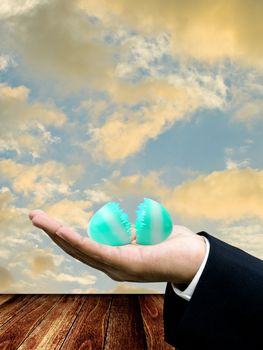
{"x": 110, "y": 225}
{"x": 153, "y": 224}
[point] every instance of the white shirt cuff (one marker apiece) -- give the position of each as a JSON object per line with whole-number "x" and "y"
{"x": 188, "y": 292}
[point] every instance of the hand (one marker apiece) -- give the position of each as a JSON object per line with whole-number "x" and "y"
{"x": 176, "y": 259}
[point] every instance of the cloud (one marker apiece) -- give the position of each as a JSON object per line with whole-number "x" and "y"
{"x": 42, "y": 263}
{"x": 136, "y": 184}
{"x": 5, "y": 61}
{"x": 203, "y": 29}
{"x": 9, "y": 8}
{"x": 18, "y": 237}
{"x": 78, "y": 210}
{"x": 159, "y": 105}
{"x": 57, "y": 38}
{"x": 246, "y": 96}
{"x": 121, "y": 288}
{"x": 13, "y": 220}
{"x": 228, "y": 195}
{"x": 47, "y": 281}
{"x": 84, "y": 291}
{"x": 124, "y": 288}
{"x": 23, "y": 122}
{"x": 250, "y": 110}
{"x": 96, "y": 196}
{"x": 222, "y": 195}
{"x": 40, "y": 181}
{"x": 63, "y": 277}
{"x": 244, "y": 234}
{"x": 5, "y": 253}
{"x": 6, "y": 279}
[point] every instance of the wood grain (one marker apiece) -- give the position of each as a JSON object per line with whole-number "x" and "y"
{"x": 13, "y": 306}
{"x": 5, "y": 297}
{"x": 82, "y": 322}
{"x": 125, "y": 329}
{"x": 50, "y": 333}
{"x": 89, "y": 330}
{"x": 152, "y": 315}
{"x": 22, "y": 324}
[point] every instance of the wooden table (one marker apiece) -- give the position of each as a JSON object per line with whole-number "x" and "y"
{"x": 70, "y": 322}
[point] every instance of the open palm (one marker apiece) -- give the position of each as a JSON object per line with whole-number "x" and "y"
{"x": 174, "y": 260}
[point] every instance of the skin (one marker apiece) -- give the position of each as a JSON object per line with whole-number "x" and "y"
{"x": 176, "y": 259}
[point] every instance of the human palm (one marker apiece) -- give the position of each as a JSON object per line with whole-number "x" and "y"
{"x": 174, "y": 260}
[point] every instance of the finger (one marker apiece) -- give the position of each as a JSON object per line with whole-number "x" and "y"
{"x": 55, "y": 229}
{"x": 110, "y": 272}
{"x": 102, "y": 253}
{"x": 77, "y": 254}
{"x": 35, "y": 212}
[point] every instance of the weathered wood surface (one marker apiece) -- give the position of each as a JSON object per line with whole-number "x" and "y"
{"x": 151, "y": 307}
{"x": 89, "y": 330}
{"x": 83, "y": 322}
{"x": 125, "y": 329}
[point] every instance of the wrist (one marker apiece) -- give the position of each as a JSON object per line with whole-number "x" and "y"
{"x": 192, "y": 260}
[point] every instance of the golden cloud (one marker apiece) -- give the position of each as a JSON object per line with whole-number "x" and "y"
{"x": 121, "y": 288}
{"x": 79, "y": 215}
{"x": 125, "y": 132}
{"x": 11, "y": 8}
{"x": 56, "y": 37}
{"x": 124, "y": 288}
{"x": 222, "y": 195}
{"x": 228, "y": 195}
{"x": 19, "y": 117}
{"x": 64, "y": 277}
{"x": 13, "y": 219}
{"x": 6, "y": 279}
{"x": 246, "y": 235}
{"x": 41, "y": 263}
{"x": 203, "y": 29}
{"x": 251, "y": 109}
{"x": 41, "y": 180}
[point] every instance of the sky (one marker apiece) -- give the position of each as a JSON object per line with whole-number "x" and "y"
{"x": 120, "y": 100}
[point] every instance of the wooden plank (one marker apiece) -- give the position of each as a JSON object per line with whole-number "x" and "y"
{"x": 51, "y": 332}
{"x": 152, "y": 315}
{"x": 5, "y": 297}
{"x": 89, "y": 330}
{"x": 12, "y": 306}
{"x": 125, "y": 329}
{"x": 18, "y": 328}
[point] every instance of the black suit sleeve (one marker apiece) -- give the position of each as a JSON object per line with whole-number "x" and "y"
{"x": 226, "y": 308}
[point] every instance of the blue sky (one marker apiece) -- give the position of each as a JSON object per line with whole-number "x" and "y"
{"x": 101, "y": 102}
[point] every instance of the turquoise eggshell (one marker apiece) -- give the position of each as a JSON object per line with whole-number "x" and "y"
{"x": 110, "y": 225}
{"x": 153, "y": 224}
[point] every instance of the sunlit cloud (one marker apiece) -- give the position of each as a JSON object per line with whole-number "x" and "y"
{"x": 239, "y": 191}
{"x": 121, "y": 288}
{"x": 79, "y": 212}
{"x": 56, "y": 38}
{"x": 23, "y": 123}
{"x": 63, "y": 277}
{"x": 43, "y": 180}
{"x": 5, "y": 61}
{"x": 221, "y": 195}
{"x": 162, "y": 104}
{"x": 203, "y": 30}
{"x": 245, "y": 234}
{"x": 9, "y": 8}
{"x": 6, "y": 278}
